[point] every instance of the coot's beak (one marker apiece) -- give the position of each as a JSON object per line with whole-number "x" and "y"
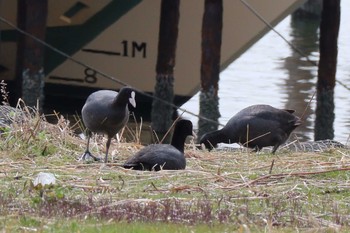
{"x": 132, "y": 99}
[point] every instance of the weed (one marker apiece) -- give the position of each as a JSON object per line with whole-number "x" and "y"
{"x": 236, "y": 189}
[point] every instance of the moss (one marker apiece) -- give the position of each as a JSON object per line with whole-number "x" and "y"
{"x": 209, "y": 108}
{"x": 324, "y": 115}
{"x": 162, "y": 113}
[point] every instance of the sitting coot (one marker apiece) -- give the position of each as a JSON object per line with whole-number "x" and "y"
{"x": 106, "y": 112}
{"x": 163, "y": 156}
{"x": 256, "y": 126}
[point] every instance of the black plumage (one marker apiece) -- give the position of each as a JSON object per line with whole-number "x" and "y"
{"x": 256, "y": 126}
{"x": 163, "y": 156}
{"x": 106, "y": 112}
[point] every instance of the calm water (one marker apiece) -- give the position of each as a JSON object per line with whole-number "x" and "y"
{"x": 271, "y": 73}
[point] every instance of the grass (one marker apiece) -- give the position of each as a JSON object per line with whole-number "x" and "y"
{"x": 220, "y": 191}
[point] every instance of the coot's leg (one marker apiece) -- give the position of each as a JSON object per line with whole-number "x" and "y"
{"x": 275, "y": 148}
{"x": 107, "y": 148}
{"x": 87, "y": 153}
{"x": 257, "y": 149}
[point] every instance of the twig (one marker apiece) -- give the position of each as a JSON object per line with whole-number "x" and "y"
{"x": 273, "y": 162}
{"x": 171, "y": 127}
{"x": 307, "y": 106}
{"x": 154, "y": 186}
{"x": 284, "y": 175}
{"x": 262, "y": 135}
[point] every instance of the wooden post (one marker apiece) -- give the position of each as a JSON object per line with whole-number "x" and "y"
{"x": 31, "y": 17}
{"x": 329, "y": 29}
{"x": 162, "y": 113}
{"x": 210, "y": 65}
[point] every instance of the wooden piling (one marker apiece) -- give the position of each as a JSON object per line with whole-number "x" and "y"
{"x": 210, "y": 65}
{"x": 162, "y": 113}
{"x": 32, "y": 18}
{"x": 327, "y": 67}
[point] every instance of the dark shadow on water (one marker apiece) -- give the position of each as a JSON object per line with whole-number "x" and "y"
{"x": 300, "y": 86}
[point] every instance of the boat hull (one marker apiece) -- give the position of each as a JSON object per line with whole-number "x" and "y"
{"x": 120, "y": 38}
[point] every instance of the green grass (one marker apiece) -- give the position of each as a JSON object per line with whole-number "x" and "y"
{"x": 220, "y": 191}
{"x": 25, "y": 224}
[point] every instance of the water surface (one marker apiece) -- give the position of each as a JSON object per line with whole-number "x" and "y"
{"x": 270, "y": 72}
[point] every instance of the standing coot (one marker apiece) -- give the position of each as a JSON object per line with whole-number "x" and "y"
{"x": 106, "y": 112}
{"x": 256, "y": 126}
{"x": 163, "y": 156}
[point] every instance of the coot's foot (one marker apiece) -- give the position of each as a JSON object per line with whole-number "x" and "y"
{"x": 87, "y": 156}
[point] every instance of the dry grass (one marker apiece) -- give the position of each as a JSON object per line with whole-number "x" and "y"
{"x": 296, "y": 190}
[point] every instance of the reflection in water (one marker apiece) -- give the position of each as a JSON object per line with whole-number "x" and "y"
{"x": 270, "y": 72}
{"x": 300, "y": 85}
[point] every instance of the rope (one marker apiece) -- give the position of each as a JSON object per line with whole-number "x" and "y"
{"x": 103, "y": 74}
{"x": 301, "y": 53}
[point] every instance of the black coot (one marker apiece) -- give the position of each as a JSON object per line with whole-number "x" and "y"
{"x": 255, "y": 127}
{"x": 106, "y": 112}
{"x": 163, "y": 156}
